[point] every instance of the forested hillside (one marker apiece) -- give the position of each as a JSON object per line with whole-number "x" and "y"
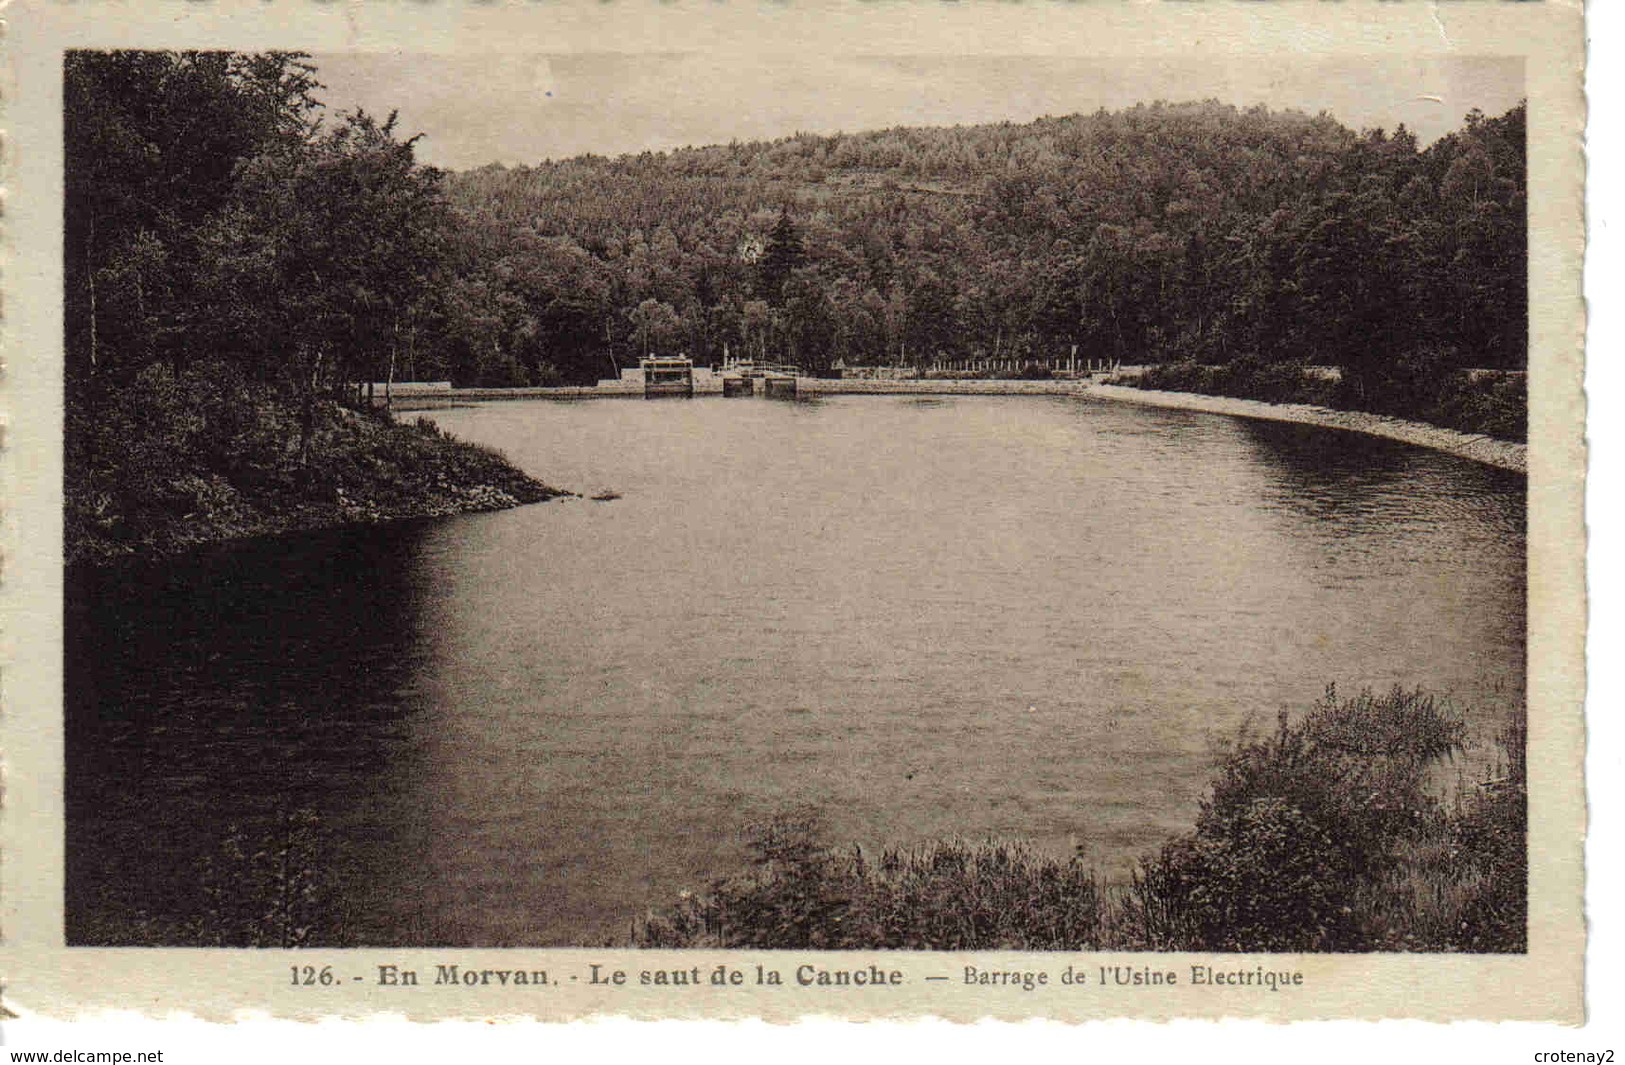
{"x": 1159, "y": 233}
{"x": 238, "y": 263}
{"x": 211, "y": 218}
{"x": 233, "y": 268}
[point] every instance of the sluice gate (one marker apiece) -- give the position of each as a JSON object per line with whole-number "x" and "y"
{"x": 668, "y": 376}
{"x": 740, "y": 377}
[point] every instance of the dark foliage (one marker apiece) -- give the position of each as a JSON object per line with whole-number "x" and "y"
{"x": 210, "y": 216}
{"x": 951, "y": 895}
{"x": 1248, "y": 378}
{"x": 1425, "y": 384}
{"x": 1419, "y": 385}
{"x": 1163, "y": 232}
{"x": 234, "y": 269}
{"x": 1323, "y": 836}
{"x": 1296, "y": 825}
{"x": 784, "y": 253}
{"x": 173, "y": 460}
{"x": 1489, "y": 838}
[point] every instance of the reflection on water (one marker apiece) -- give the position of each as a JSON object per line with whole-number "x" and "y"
{"x": 210, "y": 703}
{"x": 1018, "y": 616}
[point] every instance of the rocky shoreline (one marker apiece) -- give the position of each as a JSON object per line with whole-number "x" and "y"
{"x": 1502, "y": 454}
{"x": 165, "y": 494}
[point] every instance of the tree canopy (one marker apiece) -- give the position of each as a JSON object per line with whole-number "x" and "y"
{"x": 213, "y": 215}
{"x": 1161, "y": 232}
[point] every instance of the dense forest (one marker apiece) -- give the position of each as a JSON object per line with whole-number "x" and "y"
{"x": 1160, "y": 233}
{"x": 223, "y": 233}
{"x": 232, "y": 266}
{"x": 210, "y": 215}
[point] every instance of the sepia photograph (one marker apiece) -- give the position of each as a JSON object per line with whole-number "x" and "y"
{"x": 792, "y": 501}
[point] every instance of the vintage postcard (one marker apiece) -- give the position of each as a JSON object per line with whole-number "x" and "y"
{"x": 862, "y": 510}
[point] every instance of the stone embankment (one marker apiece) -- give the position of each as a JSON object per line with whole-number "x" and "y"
{"x": 1504, "y": 454}
{"x": 818, "y": 386}
{"x": 712, "y": 386}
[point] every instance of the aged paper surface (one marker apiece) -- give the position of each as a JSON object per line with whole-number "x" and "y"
{"x": 45, "y": 974}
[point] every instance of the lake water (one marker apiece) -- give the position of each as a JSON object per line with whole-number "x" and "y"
{"x": 1031, "y": 617}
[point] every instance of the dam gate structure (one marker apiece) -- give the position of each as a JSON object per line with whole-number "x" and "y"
{"x": 667, "y": 376}
{"x": 740, "y": 377}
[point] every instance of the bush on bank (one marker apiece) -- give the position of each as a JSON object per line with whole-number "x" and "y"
{"x": 948, "y": 895}
{"x": 1420, "y": 386}
{"x": 1303, "y": 832}
{"x": 1322, "y": 836}
{"x": 177, "y": 459}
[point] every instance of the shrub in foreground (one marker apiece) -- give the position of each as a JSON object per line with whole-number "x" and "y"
{"x": 1299, "y": 827}
{"x": 1325, "y": 835}
{"x": 949, "y": 895}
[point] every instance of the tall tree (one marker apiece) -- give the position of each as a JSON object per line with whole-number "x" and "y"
{"x": 153, "y": 142}
{"x": 328, "y": 251}
{"x": 782, "y": 255}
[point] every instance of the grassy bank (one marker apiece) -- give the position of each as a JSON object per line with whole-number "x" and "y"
{"x": 1323, "y": 835}
{"x": 1419, "y": 388}
{"x": 175, "y": 460}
